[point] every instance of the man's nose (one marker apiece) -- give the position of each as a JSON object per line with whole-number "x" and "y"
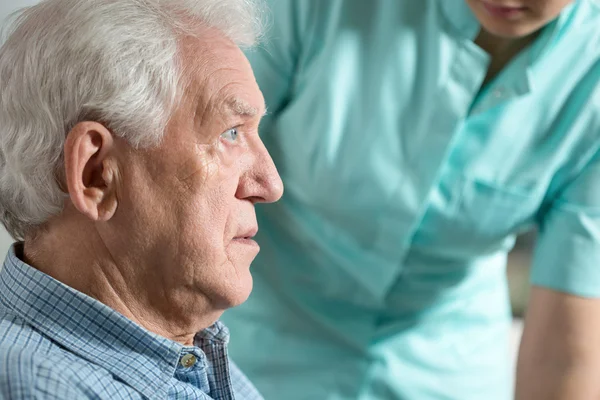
{"x": 261, "y": 183}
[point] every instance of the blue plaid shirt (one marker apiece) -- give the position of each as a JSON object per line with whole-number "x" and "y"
{"x": 57, "y": 343}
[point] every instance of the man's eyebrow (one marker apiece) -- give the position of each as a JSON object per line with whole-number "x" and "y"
{"x": 240, "y": 107}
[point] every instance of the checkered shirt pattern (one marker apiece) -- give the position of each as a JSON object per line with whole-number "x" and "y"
{"x": 58, "y": 343}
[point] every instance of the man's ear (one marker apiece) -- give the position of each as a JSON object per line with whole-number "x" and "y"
{"x": 91, "y": 170}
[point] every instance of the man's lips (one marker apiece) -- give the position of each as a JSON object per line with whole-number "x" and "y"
{"x": 246, "y": 241}
{"x": 247, "y": 234}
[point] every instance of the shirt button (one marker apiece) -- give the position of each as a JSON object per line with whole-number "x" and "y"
{"x": 188, "y": 360}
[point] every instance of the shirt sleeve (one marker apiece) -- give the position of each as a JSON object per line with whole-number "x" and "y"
{"x": 567, "y": 254}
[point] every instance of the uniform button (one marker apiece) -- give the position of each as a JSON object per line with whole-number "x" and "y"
{"x": 188, "y": 360}
{"x": 499, "y": 92}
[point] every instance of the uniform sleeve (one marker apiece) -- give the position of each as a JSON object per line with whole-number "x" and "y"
{"x": 567, "y": 254}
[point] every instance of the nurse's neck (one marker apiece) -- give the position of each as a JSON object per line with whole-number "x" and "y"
{"x": 501, "y": 50}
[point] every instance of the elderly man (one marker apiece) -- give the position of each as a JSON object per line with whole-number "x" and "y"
{"x": 130, "y": 166}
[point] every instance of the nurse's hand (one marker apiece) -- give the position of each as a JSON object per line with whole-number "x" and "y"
{"x": 559, "y": 357}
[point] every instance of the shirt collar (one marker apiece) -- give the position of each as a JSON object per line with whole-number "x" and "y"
{"x": 92, "y": 330}
{"x": 465, "y": 25}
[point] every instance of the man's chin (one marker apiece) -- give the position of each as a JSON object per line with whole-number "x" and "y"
{"x": 245, "y": 289}
{"x": 237, "y": 294}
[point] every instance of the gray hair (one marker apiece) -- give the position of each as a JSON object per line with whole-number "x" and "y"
{"x": 111, "y": 61}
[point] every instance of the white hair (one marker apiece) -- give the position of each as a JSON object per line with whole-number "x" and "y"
{"x": 111, "y": 61}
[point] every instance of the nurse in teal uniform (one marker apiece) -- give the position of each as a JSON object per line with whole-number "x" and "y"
{"x": 415, "y": 139}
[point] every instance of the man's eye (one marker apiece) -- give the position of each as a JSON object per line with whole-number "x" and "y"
{"x": 230, "y": 135}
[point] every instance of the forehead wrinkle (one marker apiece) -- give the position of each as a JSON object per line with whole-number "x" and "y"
{"x": 205, "y": 103}
{"x": 237, "y": 106}
{"x": 211, "y": 103}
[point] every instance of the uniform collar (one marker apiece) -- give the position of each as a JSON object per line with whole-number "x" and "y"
{"x": 464, "y": 25}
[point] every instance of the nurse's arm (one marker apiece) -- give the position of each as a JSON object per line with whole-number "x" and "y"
{"x": 559, "y": 356}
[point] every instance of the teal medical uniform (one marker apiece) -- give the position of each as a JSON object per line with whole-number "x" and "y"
{"x": 382, "y": 269}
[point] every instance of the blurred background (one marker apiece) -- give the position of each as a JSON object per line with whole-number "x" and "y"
{"x": 518, "y": 273}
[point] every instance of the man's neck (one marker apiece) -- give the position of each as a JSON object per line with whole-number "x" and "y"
{"x": 114, "y": 279}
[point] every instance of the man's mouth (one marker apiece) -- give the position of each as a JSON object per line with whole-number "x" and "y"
{"x": 247, "y": 234}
